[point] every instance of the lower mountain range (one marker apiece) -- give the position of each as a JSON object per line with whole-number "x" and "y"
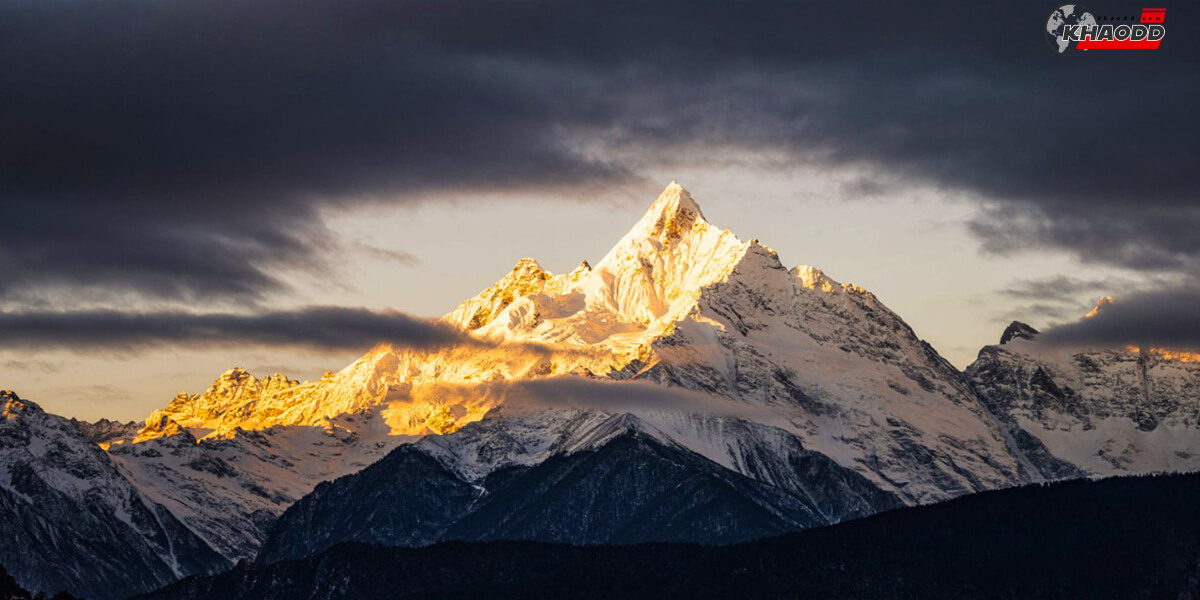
{"x": 688, "y": 388}
{"x": 1120, "y": 538}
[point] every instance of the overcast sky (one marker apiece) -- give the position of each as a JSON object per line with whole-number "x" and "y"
{"x": 190, "y": 186}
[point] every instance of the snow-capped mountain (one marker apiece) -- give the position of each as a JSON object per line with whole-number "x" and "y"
{"x": 228, "y": 486}
{"x": 1096, "y": 411}
{"x": 582, "y": 477}
{"x": 72, "y": 522}
{"x": 680, "y": 302}
{"x": 688, "y": 376}
{"x": 769, "y": 368}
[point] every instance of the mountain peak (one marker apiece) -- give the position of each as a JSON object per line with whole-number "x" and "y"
{"x": 12, "y": 405}
{"x": 235, "y": 374}
{"x": 677, "y": 195}
{"x": 814, "y": 278}
{"x": 1101, "y": 304}
{"x": 672, "y": 215}
{"x": 526, "y": 277}
{"x": 1017, "y": 330}
{"x": 659, "y": 267}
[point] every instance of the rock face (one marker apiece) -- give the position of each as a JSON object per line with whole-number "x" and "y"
{"x": 612, "y": 479}
{"x": 104, "y": 431}
{"x": 1017, "y": 330}
{"x": 1095, "y": 411}
{"x": 71, "y": 522}
{"x": 233, "y": 396}
{"x": 230, "y": 490}
{"x": 11, "y": 590}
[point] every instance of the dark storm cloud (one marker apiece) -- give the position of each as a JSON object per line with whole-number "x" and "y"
{"x": 318, "y": 328}
{"x": 862, "y": 188}
{"x": 188, "y": 149}
{"x": 1168, "y": 318}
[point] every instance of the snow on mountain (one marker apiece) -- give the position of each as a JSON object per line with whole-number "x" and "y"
{"x": 680, "y": 302}
{"x": 786, "y": 397}
{"x": 796, "y": 363}
{"x": 530, "y": 323}
{"x": 521, "y": 437}
{"x": 229, "y": 490}
{"x": 232, "y": 396}
{"x": 1098, "y": 411}
{"x": 853, "y": 380}
{"x": 609, "y": 480}
{"x": 72, "y": 522}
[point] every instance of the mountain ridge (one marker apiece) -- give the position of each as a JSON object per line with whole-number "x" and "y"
{"x": 676, "y": 302}
{"x": 811, "y": 395}
{"x": 619, "y": 482}
{"x": 1129, "y": 537}
{"x": 72, "y": 522}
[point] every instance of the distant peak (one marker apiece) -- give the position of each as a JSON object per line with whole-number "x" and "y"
{"x": 1101, "y": 304}
{"x": 160, "y": 425}
{"x": 527, "y": 269}
{"x": 525, "y": 277}
{"x": 12, "y": 406}
{"x": 234, "y": 377}
{"x": 527, "y": 263}
{"x": 526, "y": 272}
{"x": 814, "y": 278}
{"x": 1016, "y": 330}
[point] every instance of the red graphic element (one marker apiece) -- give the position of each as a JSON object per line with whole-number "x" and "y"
{"x": 1149, "y": 15}
{"x": 1088, "y": 43}
{"x": 1154, "y": 15}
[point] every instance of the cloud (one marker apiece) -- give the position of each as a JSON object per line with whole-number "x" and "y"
{"x": 862, "y": 187}
{"x": 321, "y": 328}
{"x": 396, "y": 256}
{"x": 142, "y": 157}
{"x": 622, "y": 396}
{"x": 43, "y": 366}
{"x": 94, "y": 394}
{"x": 1162, "y": 318}
{"x": 1149, "y": 232}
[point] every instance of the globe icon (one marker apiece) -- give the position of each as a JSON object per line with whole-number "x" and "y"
{"x": 1067, "y": 14}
